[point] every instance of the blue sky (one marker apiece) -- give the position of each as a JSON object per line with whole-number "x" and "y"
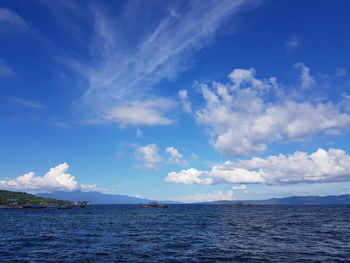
{"x": 181, "y": 100}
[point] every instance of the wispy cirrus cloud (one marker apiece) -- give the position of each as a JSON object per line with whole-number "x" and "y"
{"x": 292, "y": 43}
{"x": 186, "y": 104}
{"x": 119, "y": 71}
{"x": 340, "y": 72}
{"x": 144, "y": 112}
{"x": 240, "y": 187}
{"x": 5, "y": 70}
{"x": 11, "y": 22}
{"x": 28, "y": 103}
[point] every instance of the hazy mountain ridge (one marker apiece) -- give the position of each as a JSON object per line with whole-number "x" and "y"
{"x": 97, "y": 197}
{"x": 100, "y": 198}
{"x": 295, "y": 200}
{"x": 330, "y": 199}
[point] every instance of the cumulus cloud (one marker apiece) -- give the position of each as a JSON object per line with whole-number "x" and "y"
{"x": 300, "y": 167}
{"x": 230, "y": 173}
{"x": 206, "y": 197}
{"x": 149, "y": 156}
{"x": 55, "y": 179}
{"x": 225, "y": 173}
{"x": 163, "y": 47}
{"x": 189, "y": 176}
{"x": 292, "y": 43}
{"x": 247, "y": 115}
{"x": 306, "y": 80}
{"x": 186, "y": 104}
{"x": 175, "y": 156}
{"x": 321, "y": 166}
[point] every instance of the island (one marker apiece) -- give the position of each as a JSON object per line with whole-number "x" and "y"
{"x": 22, "y": 200}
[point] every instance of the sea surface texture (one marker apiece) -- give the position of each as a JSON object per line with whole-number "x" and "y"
{"x": 180, "y": 233}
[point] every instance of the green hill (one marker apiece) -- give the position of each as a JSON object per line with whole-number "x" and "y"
{"x": 9, "y": 197}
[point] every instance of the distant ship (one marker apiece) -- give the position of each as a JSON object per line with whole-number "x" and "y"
{"x": 82, "y": 204}
{"x": 153, "y": 205}
{"x": 74, "y": 205}
{"x": 239, "y": 204}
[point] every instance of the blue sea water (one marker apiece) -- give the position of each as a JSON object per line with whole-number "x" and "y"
{"x": 180, "y": 233}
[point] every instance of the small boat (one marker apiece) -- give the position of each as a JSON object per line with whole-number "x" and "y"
{"x": 239, "y": 204}
{"x": 153, "y": 205}
{"x": 83, "y": 204}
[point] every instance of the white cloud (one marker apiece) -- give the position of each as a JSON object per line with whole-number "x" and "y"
{"x": 206, "y": 197}
{"x": 162, "y": 48}
{"x": 139, "y": 133}
{"x": 245, "y": 116}
{"x": 5, "y": 70}
{"x": 340, "y": 72}
{"x": 240, "y": 77}
{"x": 28, "y": 103}
{"x": 300, "y": 167}
{"x": 346, "y": 96}
{"x": 306, "y": 80}
{"x": 194, "y": 156}
{"x": 9, "y": 19}
{"x": 189, "y": 176}
{"x": 225, "y": 173}
{"x": 229, "y": 173}
{"x": 88, "y": 187}
{"x": 55, "y": 179}
{"x": 186, "y": 104}
{"x": 60, "y": 124}
{"x": 292, "y": 43}
{"x": 149, "y": 113}
{"x": 175, "y": 156}
{"x": 321, "y": 166}
{"x": 149, "y": 155}
{"x": 240, "y": 187}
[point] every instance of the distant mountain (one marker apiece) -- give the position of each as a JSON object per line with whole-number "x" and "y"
{"x": 310, "y": 200}
{"x": 296, "y": 200}
{"x": 96, "y": 197}
{"x": 100, "y": 198}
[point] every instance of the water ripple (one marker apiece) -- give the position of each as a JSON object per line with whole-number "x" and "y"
{"x": 180, "y": 233}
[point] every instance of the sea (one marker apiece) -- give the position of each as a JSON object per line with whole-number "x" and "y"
{"x": 179, "y": 233}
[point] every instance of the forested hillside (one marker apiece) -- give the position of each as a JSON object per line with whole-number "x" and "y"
{"x": 9, "y": 197}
